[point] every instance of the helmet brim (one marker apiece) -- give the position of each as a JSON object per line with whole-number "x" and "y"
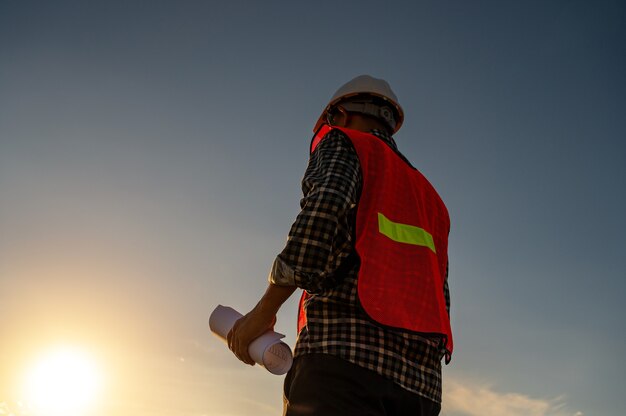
{"x": 398, "y": 109}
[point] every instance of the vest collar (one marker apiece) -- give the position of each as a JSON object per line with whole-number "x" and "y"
{"x": 385, "y": 137}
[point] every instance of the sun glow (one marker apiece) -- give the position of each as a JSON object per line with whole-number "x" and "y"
{"x": 64, "y": 382}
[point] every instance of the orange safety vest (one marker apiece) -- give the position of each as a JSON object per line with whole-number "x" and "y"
{"x": 402, "y": 228}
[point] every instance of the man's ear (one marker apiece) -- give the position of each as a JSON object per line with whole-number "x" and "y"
{"x": 330, "y": 118}
{"x": 338, "y": 117}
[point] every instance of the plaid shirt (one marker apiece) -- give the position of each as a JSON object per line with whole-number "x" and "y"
{"x": 319, "y": 257}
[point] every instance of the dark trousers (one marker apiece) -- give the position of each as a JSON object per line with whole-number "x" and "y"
{"x": 325, "y": 385}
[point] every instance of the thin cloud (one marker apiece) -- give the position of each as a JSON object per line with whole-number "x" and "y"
{"x": 470, "y": 399}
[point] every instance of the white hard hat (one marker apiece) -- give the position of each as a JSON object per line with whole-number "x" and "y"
{"x": 365, "y": 85}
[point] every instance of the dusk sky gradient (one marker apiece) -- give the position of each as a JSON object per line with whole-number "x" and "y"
{"x": 150, "y": 163}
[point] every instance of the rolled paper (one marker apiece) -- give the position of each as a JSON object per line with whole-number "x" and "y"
{"x": 267, "y": 350}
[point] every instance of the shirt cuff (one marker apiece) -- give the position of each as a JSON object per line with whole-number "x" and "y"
{"x": 281, "y": 274}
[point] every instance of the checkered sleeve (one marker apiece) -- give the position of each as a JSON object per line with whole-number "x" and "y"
{"x": 317, "y": 240}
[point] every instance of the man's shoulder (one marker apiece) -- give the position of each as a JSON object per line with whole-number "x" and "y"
{"x": 336, "y": 134}
{"x": 336, "y": 139}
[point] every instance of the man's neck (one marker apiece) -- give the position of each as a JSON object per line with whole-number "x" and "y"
{"x": 364, "y": 124}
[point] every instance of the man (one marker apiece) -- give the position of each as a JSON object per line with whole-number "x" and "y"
{"x": 370, "y": 250}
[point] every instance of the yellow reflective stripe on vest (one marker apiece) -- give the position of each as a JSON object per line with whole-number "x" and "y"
{"x": 404, "y": 233}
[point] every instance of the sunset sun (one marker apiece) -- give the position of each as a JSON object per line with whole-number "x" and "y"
{"x": 63, "y": 381}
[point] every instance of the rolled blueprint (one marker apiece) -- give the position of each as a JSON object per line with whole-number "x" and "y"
{"x": 267, "y": 350}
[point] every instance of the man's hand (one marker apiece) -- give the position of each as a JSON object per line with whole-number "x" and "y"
{"x": 247, "y": 329}
{"x": 257, "y": 321}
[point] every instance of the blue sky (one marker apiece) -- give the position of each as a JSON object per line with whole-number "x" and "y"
{"x": 150, "y": 160}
